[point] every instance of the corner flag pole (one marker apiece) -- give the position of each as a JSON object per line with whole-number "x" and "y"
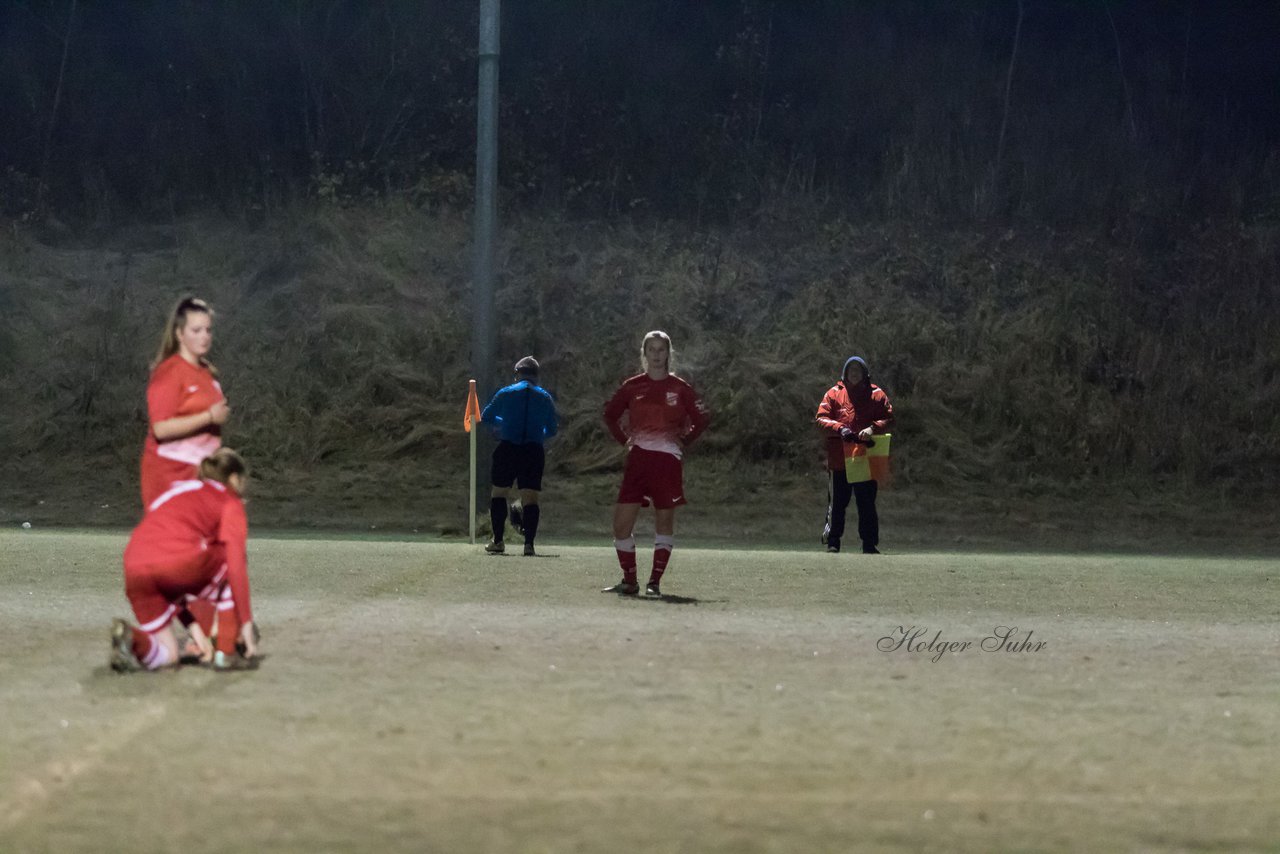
{"x": 470, "y": 419}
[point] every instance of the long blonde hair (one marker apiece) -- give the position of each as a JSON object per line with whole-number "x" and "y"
{"x": 658, "y": 335}
{"x": 178, "y": 320}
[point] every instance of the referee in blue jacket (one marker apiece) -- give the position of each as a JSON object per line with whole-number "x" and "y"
{"x": 523, "y": 416}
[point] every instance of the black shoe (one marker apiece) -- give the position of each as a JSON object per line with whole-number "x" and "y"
{"x": 528, "y": 550}
{"x": 623, "y": 588}
{"x": 651, "y": 590}
{"x": 257, "y": 639}
{"x": 869, "y": 550}
{"x": 833, "y": 546}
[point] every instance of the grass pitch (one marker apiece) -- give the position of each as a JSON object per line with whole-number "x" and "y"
{"x": 421, "y": 696}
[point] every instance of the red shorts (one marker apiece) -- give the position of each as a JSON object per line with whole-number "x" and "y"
{"x": 158, "y": 474}
{"x": 652, "y": 475}
{"x": 157, "y": 589}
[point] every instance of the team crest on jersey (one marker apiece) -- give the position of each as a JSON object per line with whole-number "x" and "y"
{"x": 673, "y": 398}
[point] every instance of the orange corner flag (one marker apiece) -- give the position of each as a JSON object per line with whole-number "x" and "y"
{"x": 472, "y": 415}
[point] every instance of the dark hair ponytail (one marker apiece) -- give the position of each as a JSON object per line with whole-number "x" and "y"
{"x": 221, "y": 464}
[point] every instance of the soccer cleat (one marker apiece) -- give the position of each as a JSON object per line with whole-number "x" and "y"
{"x": 122, "y": 659}
{"x": 496, "y": 547}
{"x": 869, "y": 550}
{"x": 224, "y": 663}
{"x": 528, "y": 550}
{"x": 257, "y": 639}
{"x": 516, "y": 516}
{"x": 623, "y": 588}
{"x": 651, "y": 589}
{"x": 833, "y": 548}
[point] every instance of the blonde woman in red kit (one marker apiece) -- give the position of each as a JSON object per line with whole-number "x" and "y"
{"x": 657, "y": 415}
{"x": 185, "y": 410}
{"x": 185, "y": 405}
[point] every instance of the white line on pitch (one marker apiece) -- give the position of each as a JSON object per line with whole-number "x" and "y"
{"x": 29, "y": 793}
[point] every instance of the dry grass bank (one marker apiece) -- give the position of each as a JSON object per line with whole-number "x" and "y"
{"x": 1033, "y": 367}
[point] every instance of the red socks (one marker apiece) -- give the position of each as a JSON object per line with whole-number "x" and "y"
{"x": 202, "y": 610}
{"x": 662, "y": 546}
{"x": 626, "y": 550}
{"x": 228, "y": 625}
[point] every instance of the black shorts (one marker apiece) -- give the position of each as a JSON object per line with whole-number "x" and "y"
{"x": 522, "y": 463}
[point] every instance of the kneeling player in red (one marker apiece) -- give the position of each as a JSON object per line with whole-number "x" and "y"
{"x": 189, "y": 547}
{"x": 663, "y": 415}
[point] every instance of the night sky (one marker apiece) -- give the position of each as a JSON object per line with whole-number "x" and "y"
{"x": 670, "y": 107}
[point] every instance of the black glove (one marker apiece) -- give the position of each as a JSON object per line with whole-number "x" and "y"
{"x": 848, "y": 434}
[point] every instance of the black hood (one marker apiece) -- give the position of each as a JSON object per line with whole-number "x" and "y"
{"x": 866, "y": 372}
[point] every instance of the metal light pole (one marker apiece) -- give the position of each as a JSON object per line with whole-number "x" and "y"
{"x": 486, "y": 213}
{"x": 486, "y": 226}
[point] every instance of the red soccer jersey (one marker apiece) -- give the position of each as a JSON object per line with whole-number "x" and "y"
{"x": 661, "y": 415}
{"x": 184, "y": 521}
{"x": 176, "y": 388}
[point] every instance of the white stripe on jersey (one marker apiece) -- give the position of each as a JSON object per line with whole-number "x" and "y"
{"x": 178, "y": 487}
{"x": 210, "y": 592}
{"x": 191, "y": 450}
{"x": 225, "y": 602}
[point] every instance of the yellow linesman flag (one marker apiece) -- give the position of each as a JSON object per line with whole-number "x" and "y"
{"x": 862, "y": 463}
{"x": 472, "y": 415}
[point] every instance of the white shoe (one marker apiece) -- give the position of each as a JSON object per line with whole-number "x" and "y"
{"x": 227, "y": 663}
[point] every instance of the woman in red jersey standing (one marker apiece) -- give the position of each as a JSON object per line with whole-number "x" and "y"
{"x": 189, "y": 548}
{"x": 185, "y": 405}
{"x": 657, "y": 415}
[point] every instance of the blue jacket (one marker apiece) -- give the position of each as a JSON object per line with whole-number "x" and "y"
{"x": 522, "y": 412}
